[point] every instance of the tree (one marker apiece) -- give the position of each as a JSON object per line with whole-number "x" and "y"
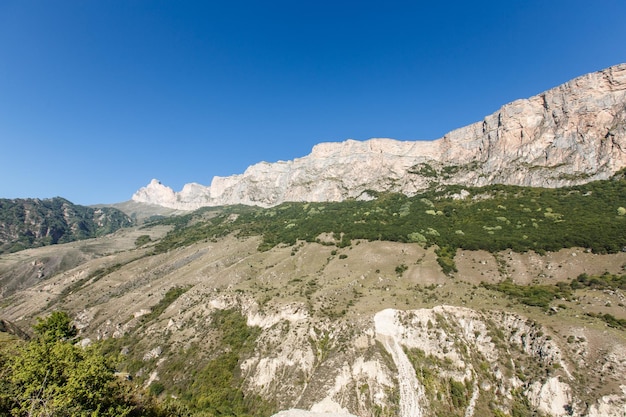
{"x": 52, "y": 376}
{"x": 56, "y": 327}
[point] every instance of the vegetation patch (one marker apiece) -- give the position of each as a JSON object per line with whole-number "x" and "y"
{"x": 170, "y": 296}
{"x": 610, "y": 320}
{"x": 424, "y": 170}
{"x": 447, "y": 396}
{"x": 142, "y": 240}
{"x": 53, "y": 376}
{"x": 491, "y": 218}
{"x": 604, "y": 281}
{"x": 216, "y": 389}
{"x": 532, "y": 295}
{"x": 28, "y": 223}
{"x": 445, "y": 259}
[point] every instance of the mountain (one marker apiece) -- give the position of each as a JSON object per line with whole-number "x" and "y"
{"x": 358, "y": 308}
{"x": 442, "y": 282}
{"x": 26, "y": 223}
{"x": 371, "y": 329}
{"x": 571, "y": 134}
{"x": 9, "y": 328}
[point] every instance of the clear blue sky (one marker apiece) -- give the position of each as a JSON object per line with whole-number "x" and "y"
{"x": 99, "y": 97}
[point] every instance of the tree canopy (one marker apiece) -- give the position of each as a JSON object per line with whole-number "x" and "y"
{"x": 53, "y": 376}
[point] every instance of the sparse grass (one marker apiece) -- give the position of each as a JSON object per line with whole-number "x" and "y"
{"x": 142, "y": 240}
{"x": 400, "y": 269}
{"x": 610, "y": 320}
{"x": 604, "y": 281}
{"x": 331, "y": 292}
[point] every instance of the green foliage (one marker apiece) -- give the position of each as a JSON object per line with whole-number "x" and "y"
{"x": 423, "y": 169}
{"x": 170, "y": 296}
{"x": 445, "y": 259}
{"x": 51, "y": 376}
{"x": 61, "y": 378}
{"x": 532, "y": 295}
{"x": 610, "y": 320}
{"x": 521, "y": 405}
{"x": 236, "y": 334}
{"x": 604, "y": 281}
{"x": 491, "y": 218}
{"x": 205, "y": 223}
{"x": 400, "y": 269}
{"x": 9, "y": 348}
{"x": 26, "y": 223}
{"x": 448, "y": 397}
{"x": 142, "y": 240}
{"x": 156, "y": 388}
{"x": 417, "y": 237}
{"x": 216, "y": 389}
{"x": 208, "y": 384}
{"x": 458, "y": 394}
{"x": 56, "y": 327}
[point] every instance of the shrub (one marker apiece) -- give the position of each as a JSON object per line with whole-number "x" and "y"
{"x": 532, "y": 295}
{"x": 142, "y": 240}
{"x": 400, "y": 269}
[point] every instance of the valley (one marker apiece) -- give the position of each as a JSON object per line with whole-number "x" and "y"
{"x": 481, "y": 274}
{"x": 318, "y": 311}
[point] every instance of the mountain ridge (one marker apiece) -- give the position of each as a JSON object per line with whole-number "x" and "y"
{"x": 571, "y": 134}
{"x": 452, "y": 334}
{"x": 32, "y": 222}
{"x": 457, "y": 301}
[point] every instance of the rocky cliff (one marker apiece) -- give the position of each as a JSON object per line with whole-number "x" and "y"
{"x": 568, "y": 135}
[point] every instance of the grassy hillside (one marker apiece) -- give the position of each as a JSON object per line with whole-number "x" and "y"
{"x": 491, "y": 218}
{"x": 245, "y": 311}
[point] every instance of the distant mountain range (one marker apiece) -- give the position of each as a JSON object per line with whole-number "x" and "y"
{"x": 26, "y": 223}
{"x": 571, "y": 134}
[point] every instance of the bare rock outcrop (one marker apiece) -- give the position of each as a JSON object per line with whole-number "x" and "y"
{"x": 568, "y": 135}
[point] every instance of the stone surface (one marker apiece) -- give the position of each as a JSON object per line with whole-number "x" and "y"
{"x": 568, "y": 135}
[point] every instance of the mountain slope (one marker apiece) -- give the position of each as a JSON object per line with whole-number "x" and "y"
{"x": 568, "y": 135}
{"x": 456, "y": 301}
{"x": 361, "y": 325}
{"x": 26, "y": 223}
{"x": 341, "y": 329}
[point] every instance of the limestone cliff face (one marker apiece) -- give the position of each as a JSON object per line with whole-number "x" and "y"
{"x": 568, "y": 135}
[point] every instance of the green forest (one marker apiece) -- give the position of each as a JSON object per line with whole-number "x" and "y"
{"x": 492, "y": 218}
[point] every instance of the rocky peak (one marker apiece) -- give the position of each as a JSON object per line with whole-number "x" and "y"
{"x": 568, "y": 135}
